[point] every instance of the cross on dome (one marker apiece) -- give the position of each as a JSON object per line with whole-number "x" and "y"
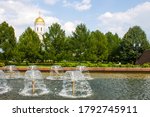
{"x": 39, "y": 20}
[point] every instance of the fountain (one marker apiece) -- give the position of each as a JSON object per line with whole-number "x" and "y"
{"x": 4, "y": 88}
{"x": 34, "y": 83}
{"x": 75, "y": 85}
{"x": 12, "y": 72}
{"x": 56, "y": 73}
{"x": 85, "y": 72}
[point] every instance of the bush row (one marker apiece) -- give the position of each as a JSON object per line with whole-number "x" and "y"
{"x": 74, "y": 64}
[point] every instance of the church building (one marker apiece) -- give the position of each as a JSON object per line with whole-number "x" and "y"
{"x": 39, "y": 27}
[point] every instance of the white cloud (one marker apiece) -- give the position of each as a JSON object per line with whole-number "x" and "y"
{"x": 80, "y": 6}
{"x": 21, "y": 14}
{"x": 120, "y": 22}
{"x": 51, "y": 2}
{"x": 69, "y": 27}
{"x": 50, "y": 20}
{"x": 18, "y": 14}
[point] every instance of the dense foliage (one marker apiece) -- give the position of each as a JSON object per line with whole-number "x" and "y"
{"x": 7, "y": 42}
{"x": 81, "y": 46}
{"x": 79, "y": 42}
{"x": 29, "y": 46}
{"x": 54, "y": 43}
{"x": 133, "y": 44}
{"x": 113, "y": 45}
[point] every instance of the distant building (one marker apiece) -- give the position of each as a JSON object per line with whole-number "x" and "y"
{"x": 144, "y": 58}
{"x": 39, "y": 26}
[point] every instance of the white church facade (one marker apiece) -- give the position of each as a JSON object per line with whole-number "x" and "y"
{"x": 39, "y": 27}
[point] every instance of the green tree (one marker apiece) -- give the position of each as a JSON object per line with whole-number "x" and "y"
{"x": 68, "y": 53}
{"x": 7, "y": 41}
{"x": 98, "y": 50}
{"x": 133, "y": 44}
{"x": 55, "y": 42}
{"x": 113, "y": 45}
{"x": 79, "y": 42}
{"x": 29, "y": 46}
{"x": 48, "y": 51}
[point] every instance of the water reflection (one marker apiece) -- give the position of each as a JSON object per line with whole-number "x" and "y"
{"x": 146, "y": 89}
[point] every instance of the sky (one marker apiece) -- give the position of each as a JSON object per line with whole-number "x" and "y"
{"x": 116, "y": 16}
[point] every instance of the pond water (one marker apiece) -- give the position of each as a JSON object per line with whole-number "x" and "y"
{"x": 105, "y": 86}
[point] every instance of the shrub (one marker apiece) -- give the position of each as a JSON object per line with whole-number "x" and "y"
{"x": 102, "y": 65}
{"x": 146, "y": 65}
{"x": 67, "y": 64}
{"x": 129, "y": 65}
{"x": 110, "y": 64}
{"x": 2, "y": 64}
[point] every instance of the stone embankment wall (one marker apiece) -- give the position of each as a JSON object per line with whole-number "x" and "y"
{"x": 97, "y": 69}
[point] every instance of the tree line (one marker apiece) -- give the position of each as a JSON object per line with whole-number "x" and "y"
{"x": 82, "y": 45}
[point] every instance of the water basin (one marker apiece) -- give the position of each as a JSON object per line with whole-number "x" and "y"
{"x": 105, "y": 86}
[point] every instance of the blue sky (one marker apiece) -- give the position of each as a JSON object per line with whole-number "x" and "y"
{"x": 106, "y": 15}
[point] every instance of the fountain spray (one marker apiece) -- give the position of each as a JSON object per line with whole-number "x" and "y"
{"x": 33, "y": 83}
{"x": 73, "y": 87}
{"x": 4, "y": 88}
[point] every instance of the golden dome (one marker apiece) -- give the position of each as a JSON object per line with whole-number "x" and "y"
{"x": 39, "y": 20}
